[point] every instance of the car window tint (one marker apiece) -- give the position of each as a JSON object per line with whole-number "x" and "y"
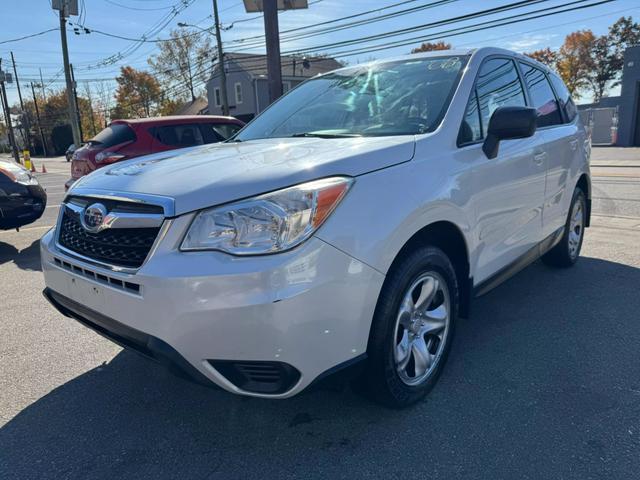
{"x": 470, "y": 129}
{"x": 566, "y": 102}
{"x": 113, "y": 135}
{"x": 498, "y": 85}
{"x": 542, "y": 96}
{"x": 178, "y": 135}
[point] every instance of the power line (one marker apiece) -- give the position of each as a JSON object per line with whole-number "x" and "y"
{"x": 29, "y": 36}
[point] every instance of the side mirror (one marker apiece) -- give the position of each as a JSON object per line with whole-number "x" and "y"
{"x": 509, "y": 123}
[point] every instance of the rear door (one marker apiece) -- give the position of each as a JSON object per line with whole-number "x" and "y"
{"x": 509, "y": 189}
{"x": 559, "y": 139}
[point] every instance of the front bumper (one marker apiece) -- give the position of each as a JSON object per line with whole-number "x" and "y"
{"x": 303, "y": 311}
{"x": 21, "y": 206}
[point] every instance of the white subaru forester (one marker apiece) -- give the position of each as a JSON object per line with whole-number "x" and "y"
{"x": 349, "y": 224}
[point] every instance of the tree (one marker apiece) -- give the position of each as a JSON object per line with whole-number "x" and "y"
{"x": 544, "y": 55}
{"x": 574, "y": 62}
{"x": 183, "y": 60}
{"x": 604, "y": 67}
{"x": 622, "y": 34}
{"x": 430, "y": 47}
{"x": 137, "y": 94}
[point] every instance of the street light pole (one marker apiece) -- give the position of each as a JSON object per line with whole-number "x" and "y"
{"x": 26, "y": 130}
{"x": 223, "y": 74}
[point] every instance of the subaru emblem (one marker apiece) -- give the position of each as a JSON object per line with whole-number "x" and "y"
{"x": 92, "y": 218}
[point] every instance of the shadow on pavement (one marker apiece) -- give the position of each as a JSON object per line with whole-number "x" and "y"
{"x": 543, "y": 382}
{"x": 27, "y": 259}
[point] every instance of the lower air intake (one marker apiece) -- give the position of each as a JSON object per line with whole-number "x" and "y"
{"x": 258, "y": 377}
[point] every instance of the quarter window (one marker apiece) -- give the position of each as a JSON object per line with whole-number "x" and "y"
{"x": 542, "y": 96}
{"x": 471, "y": 129}
{"x": 498, "y": 85}
{"x": 566, "y": 102}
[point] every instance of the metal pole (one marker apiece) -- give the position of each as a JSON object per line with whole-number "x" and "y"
{"x": 272, "y": 37}
{"x": 44, "y": 94}
{"x": 75, "y": 129}
{"x": 75, "y": 97}
{"x": 35, "y": 104}
{"x": 7, "y": 117}
{"x": 26, "y": 131}
{"x": 7, "y": 113}
{"x": 223, "y": 74}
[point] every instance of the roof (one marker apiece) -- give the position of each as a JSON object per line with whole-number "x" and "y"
{"x": 177, "y": 119}
{"x": 305, "y": 67}
{"x": 193, "y": 107}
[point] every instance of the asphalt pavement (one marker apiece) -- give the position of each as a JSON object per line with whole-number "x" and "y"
{"x": 543, "y": 382}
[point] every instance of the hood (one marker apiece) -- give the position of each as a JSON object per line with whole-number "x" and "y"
{"x": 210, "y": 175}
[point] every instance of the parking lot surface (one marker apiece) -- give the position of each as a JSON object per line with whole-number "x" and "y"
{"x": 543, "y": 382}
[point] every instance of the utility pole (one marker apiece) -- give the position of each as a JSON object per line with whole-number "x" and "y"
{"x": 223, "y": 74}
{"x": 35, "y": 104}
{"x": 272, "y": 37}
{"x": 75, "y": 128}
{"x": 7, "y": 115}
{"x": 44, "y": 94}
{"x": 75, "y": 97}
{"x": 26, "y": 131}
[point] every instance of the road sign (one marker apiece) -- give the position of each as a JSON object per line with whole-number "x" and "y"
{"x": 253, "y": 6}
{"x": 70, "y": 6}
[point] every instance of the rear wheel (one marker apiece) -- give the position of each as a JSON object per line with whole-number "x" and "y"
{"x": 412, "y": 328}
{"x": 567, "y": 251}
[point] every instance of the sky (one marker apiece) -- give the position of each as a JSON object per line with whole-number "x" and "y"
{"x": 99, "y": 57}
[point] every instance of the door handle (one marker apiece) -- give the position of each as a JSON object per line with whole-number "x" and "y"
{"x": 573, "y": 144}
{"x": 539, "y": 158}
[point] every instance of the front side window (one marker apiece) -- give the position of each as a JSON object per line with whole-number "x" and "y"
{"x": 178, "y": 135}
{"x": 395, "y": 98}
{"x": 542, "y": 96}
{"x": 498, "y": 85}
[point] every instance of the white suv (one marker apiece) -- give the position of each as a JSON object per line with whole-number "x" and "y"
{"x": 350, "y": 223}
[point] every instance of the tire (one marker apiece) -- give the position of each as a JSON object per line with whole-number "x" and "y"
{"x": 567, "y": 251}
{"x": 395, "y": 333}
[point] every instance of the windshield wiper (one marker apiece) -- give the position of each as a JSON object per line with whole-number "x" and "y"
{"x": 326, "y": 135}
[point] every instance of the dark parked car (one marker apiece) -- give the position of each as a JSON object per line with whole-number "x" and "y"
{"x": 70, "y": 151}
{"x": 22, "y": 199}
{"x": 125, "y": 139}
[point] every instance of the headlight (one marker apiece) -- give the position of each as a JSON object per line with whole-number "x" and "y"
{"x": 19, "y": 175}
{"x": 269, "y": 223}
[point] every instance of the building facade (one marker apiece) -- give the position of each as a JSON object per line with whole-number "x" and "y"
{"x": 247, "y": 86}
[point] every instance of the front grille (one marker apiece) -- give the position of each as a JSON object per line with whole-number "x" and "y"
{"x": 123, "y": 247}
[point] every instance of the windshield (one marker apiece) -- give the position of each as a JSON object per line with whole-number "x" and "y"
{"x": 394, "y": 98}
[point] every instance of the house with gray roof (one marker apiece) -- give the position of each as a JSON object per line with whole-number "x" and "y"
{"x": 247, "y": 87}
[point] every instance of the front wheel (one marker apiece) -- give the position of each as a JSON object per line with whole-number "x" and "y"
{"x": 567, "y": 251}
{"x": 412, "y": 327}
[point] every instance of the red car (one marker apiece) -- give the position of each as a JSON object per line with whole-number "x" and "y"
{"x": 125, "y": 139}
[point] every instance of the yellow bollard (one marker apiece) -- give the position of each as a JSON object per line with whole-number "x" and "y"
{"x": 27, "y": 159}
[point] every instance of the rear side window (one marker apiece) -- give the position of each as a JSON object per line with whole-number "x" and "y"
{"x": 218, "y": 132}
{"x": 542, "y": 96}
{"x": 178, "y": 135}
{"x": 471, "y": 128}
{"x": 566, "y": 102}
{"x": 113, "y": 135}
{"x": 497, "y": 85}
